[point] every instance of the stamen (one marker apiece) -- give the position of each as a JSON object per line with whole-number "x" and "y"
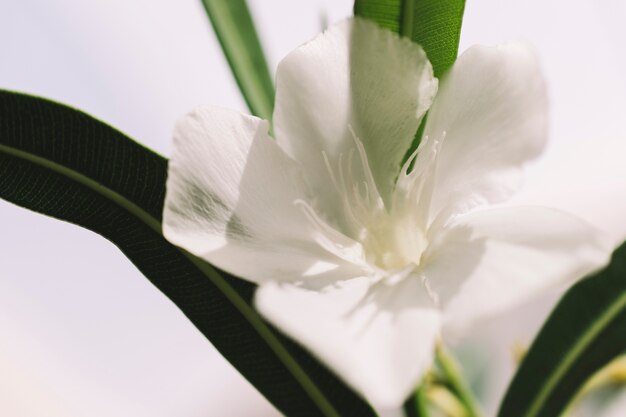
{"x": 330, "y": 170}
{"x": 397, "y": 276}
{"x": 428, "y": 181}
{"x": 342, "y": 177}
{"x": 387, "y": 242}
{"x": 405, "y": 168}
{"x": 366, "y": 191}
{"x": 431, "y": 294}
{"x": 331, "y": 239}
{"x": 367, "y": 171}
{"x": 413, "y": 193}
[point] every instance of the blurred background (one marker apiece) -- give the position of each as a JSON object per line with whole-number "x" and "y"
{"x": 83, "y": 333}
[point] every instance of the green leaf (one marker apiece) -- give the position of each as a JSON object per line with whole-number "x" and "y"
{"x": 235, "y": 31}
{"x": 417, "y": 405}
{"x": 387, "y": 13}
{"x": 58, "y": 161}
{"x": 585, "y": 332}
{"x": 434, "y": 24}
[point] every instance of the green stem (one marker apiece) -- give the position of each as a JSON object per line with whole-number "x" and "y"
{"x": 421, "y": 404}
{"x": 416, "y": 405}
{"x": 452, "y": 373}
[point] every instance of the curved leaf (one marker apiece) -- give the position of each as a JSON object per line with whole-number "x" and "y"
{"x": 434, "y": 24}
{"x": 58, "y": 161}
{"x": 585, "y": 332}
{"x": 235, "y": 31}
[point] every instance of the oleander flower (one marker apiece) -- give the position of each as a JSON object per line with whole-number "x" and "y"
{"x": 362, "y": 259}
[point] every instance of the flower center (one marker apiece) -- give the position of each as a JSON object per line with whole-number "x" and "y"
{"x": 390, "y": 239}
{"x": 391, "y": 245}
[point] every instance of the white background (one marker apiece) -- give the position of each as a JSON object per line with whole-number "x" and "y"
{"x": 83, "y": 333}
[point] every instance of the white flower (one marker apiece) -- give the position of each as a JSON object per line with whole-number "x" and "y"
{"x": 362, "y": 261}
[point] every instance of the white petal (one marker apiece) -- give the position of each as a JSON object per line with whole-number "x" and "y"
{"x": 491, "y": 113}
{"x": 495, "y": 259}
{"x": 230, "y": 200}
{"x": 378, "y": 338}
{"x": 353, "y": 76}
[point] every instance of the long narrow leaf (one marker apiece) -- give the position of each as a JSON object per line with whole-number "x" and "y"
{"x": 58, "y": 161}
{"x": 235, "y": 30}
{"x": 434, "y": 24}
{"x": 387, "y": 13}
{"x": 585, "y": 332}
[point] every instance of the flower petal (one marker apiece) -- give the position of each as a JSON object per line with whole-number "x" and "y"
{"x": 355, "y": 76}
{"x": 379, "y": 338}
{"x": 491, "y": 260}
{"x": 491, "y": 114}
{"x": 230, "y": 200}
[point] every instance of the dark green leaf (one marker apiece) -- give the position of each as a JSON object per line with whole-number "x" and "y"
{"x": 235, "y": 30}
{"x": 586, "y": 331}
{"x": 63, "y": 163}
{"x": 434, "y": 24}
